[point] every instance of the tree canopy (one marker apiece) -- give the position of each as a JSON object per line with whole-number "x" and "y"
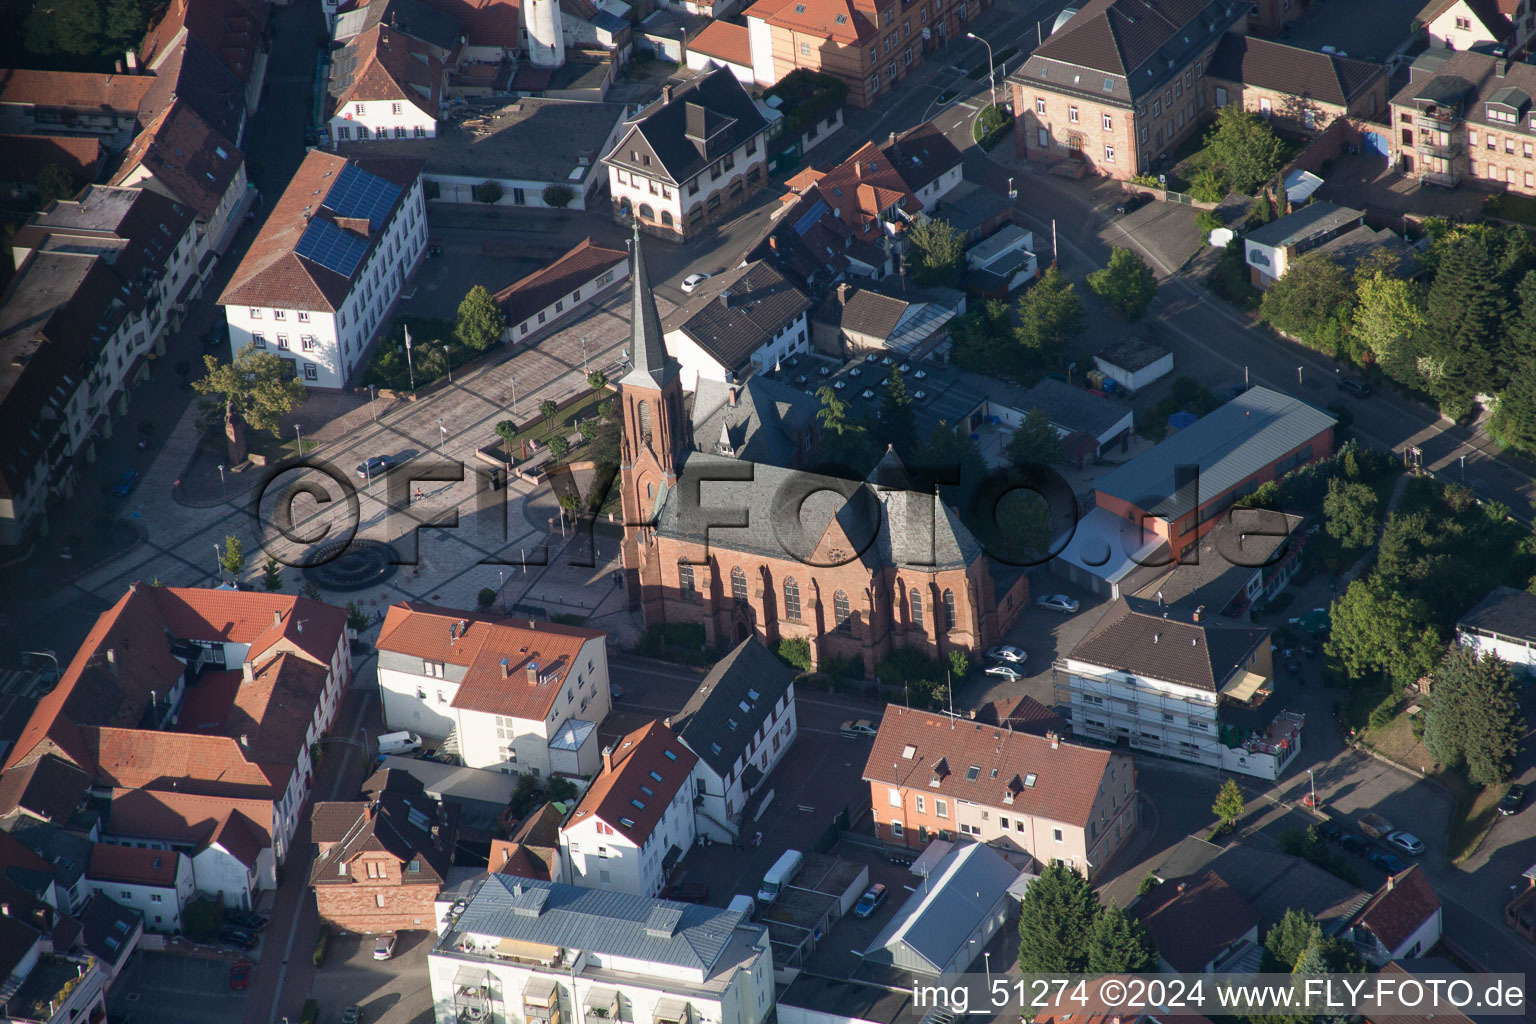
{"x": 1313, "y": 302}
{"x": 1056, "y": 918}
{"x": 1126, "y": 283}
{"x": 898, "y": 423}
{"x": 1119, "y": 944}
{"x": 1229, "y": 803}
{"x": 1245, "y": 147}
{"x": 1463, "y": 323}
{"x": 1351, "y": 511}
{"x": 55, "y": 182}
{"x": 1385, "y": 325}
{"x": 1288, "y": 939}
{"x": 1050, "y": 315}
{"x": 1036, "y": 442}
{"x": 479, "y": 322}
{"x": 1474, "y": 718}
{"x": 251, "y": 391}
{"x": 1378, "y": 629}
{"x": 938, "y": 252}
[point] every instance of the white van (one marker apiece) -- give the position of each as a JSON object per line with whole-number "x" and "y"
{"x": 399, "y": 743}
{"x": 781, "y": 874}
{"x": 746, "y": 904}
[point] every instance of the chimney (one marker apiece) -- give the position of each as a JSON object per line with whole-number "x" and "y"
{"x": 118, "y": 67}
{"x": 1055, "y": 739}
{"x": 858, "y": 169}
{"x": 132, "y": 60}
{"x": 248, "y": 671}
{"x": 356, "y": 225}
{"x": 667, "y": 721}
{"x": 1500, "y": 67}
{"x": 533, "y": 673}
{"x": 842, "y": 293}
{"x": 732, "y": 396}
{"x": 773, "y": 243}
{"x": 607, "y": 759}
{"x": 1200, "y": 613}
{"x": 506, "y": 668}
{"x": 112, "y": 659}
{"x": 666, "y": 93}
{"x": 971, "y": 713}
{"x": 245, "y": 741}
{"x": 892, "y": 140}
{"x": 1183, "y": 886}
{"x": 1156, "y": 637}
{"x": 1391, "y": 881}
{"x": 5, "y": 909}
{"x": 277, "y": 618}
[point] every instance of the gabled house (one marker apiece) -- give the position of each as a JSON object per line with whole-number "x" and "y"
{"x": 194, "y": 73}
{"x": 636, "y": 820}
{"x": 227, "y": 840}
{"x": 740, "y": 721}
{"x": 1298, "y": 90}
{"x": 745, "y": 320}
{"x": 156, "y": 883}
{"x": 235, "y": 30}
{"x": 1464, "y": 24}
{"x": 381, "y": 861}
{"x": 535, "y": 304}
{"x": 1201, "y": 926}
{"x": 1402, "y": 921}
{"x": 533, "y": 850}
{"x": 857, "y": 319}
{"x": 1270, "y": 250}
{"x": 384, "y": 85}
{"x": 73, "y": 103}
{"x": 1502, "y": 625}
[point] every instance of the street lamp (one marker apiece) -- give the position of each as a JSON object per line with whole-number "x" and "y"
{"x": 514, "y": 394}
{"x": 1313, "y": 779}
{"x": 443, "y": 432}
{"x": 221, "y": 480}
{"x": 1298, "y": 376}
{"x": 1463, "y": 469}
{"x": 57, "y": 673}
{"x": 298, "y": 434}
{"x": 991, "y": 78}
{"x": 373, "y": 394}
{"x": 584, "y": 368}
{"x": 218, "y": 556}
{"x": 987, "y": 956}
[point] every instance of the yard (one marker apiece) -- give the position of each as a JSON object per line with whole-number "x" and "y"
{"x": 1194, "y": 156}
{"x": 540, "y": 429}
{"x": 1509, "y": 206}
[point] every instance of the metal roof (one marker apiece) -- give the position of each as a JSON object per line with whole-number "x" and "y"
{"x": 1315, "y": 219}
{"x": 1506, "y": 612}
{"x": 937, "y": 919}
{"x": 592, "y": 920}
{"x": 1245, "y": 435}
{"x": 732, "y": 704}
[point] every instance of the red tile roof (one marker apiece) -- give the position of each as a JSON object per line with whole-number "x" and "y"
{"x": 1057, "y": 784}
{"x": 120, "y": 94}
{"x": 1400, "y": 907}
{"x": 1021, "y": 714}
{"x": 841, "y": 21}
{"x": 1092, "y": 1007}
{"x": 261, "y": 620}
{"x": 1194, "y": 921}
{"x": 390, "y": 65}
{"x": 195, "y": 162}
{"x": 210, "y": 765}
{"x": 863, "y": 186}
{"x": 16, "y": 854}
{"x": 540, "y": 289}
{"x": 728, "y": 42}
{"x": 230, "y": 28}
{"x": 424, "y": 632}
{"x": 271, "y": 274}
{"x": 132, "y": 865}
{"x": 485, "y": 22}
{"x": 190, "y": 818}
{"x": 269, "y": 715}
{"x": 26, "y": 155}
{"x": 616, "y": 797}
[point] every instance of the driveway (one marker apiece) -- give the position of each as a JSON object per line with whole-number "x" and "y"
{"x": 172, "y": 987}
{"x": 395, "y": 991}
{"x": 1044, "y": 636}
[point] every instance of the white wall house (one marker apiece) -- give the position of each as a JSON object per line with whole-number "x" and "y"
{"x": 635, "y": 821}
{"x": 1503, "y": 625}
{"x": 1402, "y": 921}
{"x": 405, "y": 117}
{"x": 587, "y": 955}
{"x": 1458, "y": 26}
{"x": 227, "y": 841}
{"x": 502, "y": 692}
{"x": 748, "y": 317}
{"x": 357, "y": 246}
{"x": 1134, "y": 363}
{"x": 551, "y": 294}
{"x": 157, "y": 883}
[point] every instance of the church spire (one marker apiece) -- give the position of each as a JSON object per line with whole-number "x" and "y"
{"x": 650, "y": 365}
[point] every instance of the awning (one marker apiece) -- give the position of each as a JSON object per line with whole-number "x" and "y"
{"x": 670, "y": 1008}
{"x": 1299, "y": 185}
{"x": 539, "y": 991}
{"x": 602, "y": 998}
{"x": 674, "y": 855}
{"x": 1244, "y": 686}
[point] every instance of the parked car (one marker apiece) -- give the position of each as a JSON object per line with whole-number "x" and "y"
{"x": 1409, "y": 843}
{"x": 1005, "y": 672}
{"x": 245, "y": 919}
{"x": 241, "y": 938}
{"x": 855, "y": 729}
{"x": 1004, "y": 652}
{"x": 616, "y": 691}
{"x": 1388, "y": 863}
{"x": 1330, "y": 831}
{"x": 374, "y": 466}
{"x": 1354, "y": 386}
{"x": 1354, "y": 844}
{"x": 692, "y": 281}
{"x": 870, "y": 901}
{"x": 1375, "y": 826}
{"x": 1512, "y": 799}
{"x": 218, "y": 335}
{"x": 126, "y": 483}
{"x": 239, "y": 975}
{"x": 1058, "y": 603}
{"x": 1132, "y": 203}
{"x": 384, "y": 947}
{"x": 687, "y": 892}
{"x": 352, "y": 1015}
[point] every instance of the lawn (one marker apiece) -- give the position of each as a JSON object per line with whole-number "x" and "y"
{"x": 541, "y": 430}
{"x": 1509, "y": 206}
{"x": 1192, "y": 157}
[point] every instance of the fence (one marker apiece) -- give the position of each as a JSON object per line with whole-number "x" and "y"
{"x": 833, "y": 833}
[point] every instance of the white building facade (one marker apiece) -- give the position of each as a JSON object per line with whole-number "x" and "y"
{"x": 404, "y": 117}
{"x": 161, "y": 903}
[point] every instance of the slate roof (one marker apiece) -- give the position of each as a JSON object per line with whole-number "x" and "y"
{"x": 1311, "y": 220}
{"x": 732, "y": 704}
{"x": 607, "y": 923}
{"x": 1057, "y": 783}
{"x": 194, "y": 161}
{"x": 734, "y": 314}
{"x": 1266, "y": 64}
{"x": 397, "y": 819}
{"x": 272, "y": 274}
{"x": 107, "y": 928}
{"x": 1132, "y": 354}
{"x": 768, "y": 423}
{"x": 1194, "y": 920}
{"x": 1210, "y": 580}
{"x": 424, "y": 22}
{"x": 1402, "y": 904}
{"x": 937, "y": 920}
{"x": 864, "y": 311}
{"x": 1472, "y": 79}
{"x": 133, "y": 865}
{"x": 921, "y": 155}
{"x": 478, "y": 649}
{"x": 650, "y": 365}
{"x": 49, "y": 788}
{"x": 232, "y": 29}
{"x": 899, "y": 537}
{"x": 1505, "y": 611}
{"x": 1237, "y": 440}
{"x": 724, "y": 41}
{"x": 1134, "y": 637}
{"x": 68, "y": 852}
{"x": 540, "y": 289}
{"x": 670, "y": 129}
{"x": 1066, "y": 406}
{"x": 1354, "y": 247}
{"x": 1119, "y": 50}
{"x": 650, "y": 757}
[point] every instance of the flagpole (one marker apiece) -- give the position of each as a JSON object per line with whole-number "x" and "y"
{"x": 408, "y": 361}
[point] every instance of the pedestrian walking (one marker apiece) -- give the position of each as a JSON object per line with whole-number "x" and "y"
{"x": 418, "y": 494}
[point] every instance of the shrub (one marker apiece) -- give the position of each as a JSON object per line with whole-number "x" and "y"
{"x": 796, "y": 650}
{"x": 311, "y": 1012}
{"x": 559, "y": 446}
{"x": 1208, "y": 187}
{"x": 487, "y": 192}
{"x": 1383, "y": 713}
{"x": 558, "y": 196}
{"x": 485, "y": 598}
{"x": 560, "y": 789}
{"x": 991, "y": 125}
{"x": 203, "y": 916}
{"x": 1208, "y": 221}
{"x": 322, "y": 944}
{"x": 588, "y": 429}
{"x": 959, "y": 665}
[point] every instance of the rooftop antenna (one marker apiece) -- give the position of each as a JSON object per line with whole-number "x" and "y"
{"x": 949, "y": 686}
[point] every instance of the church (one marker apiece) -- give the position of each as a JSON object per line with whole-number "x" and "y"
{"x": 723, "y": 529}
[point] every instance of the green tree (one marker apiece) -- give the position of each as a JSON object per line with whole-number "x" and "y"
{"x": 1146, "y": 885}
{"x": 1245, "y": 147}
{"x": 985, "y": 341}
{"x": 488, "y": 191}
{"x": 1385, "y": 326}
{"x": 1229, "y": 803}
{"x": 1287, "y": 940}
{"x": 844, "y": 443}
{"x": 1022, "y": 535}
{"x": 588, "y": 429}
{"x": 558, "y": 196}
{"x": 1056, "y": 918}
{"x": 1463, "y": 326}
{"x": 1036, "y": 442}
{"x": 548, "y": 408}
{"x": 1050, "y": 315}
{"x": 1126, "y": 283}
{"x": 951, "y": 461}
{"x": 233, "y": 558}
{"x": 898, "y": 423}
{"x": 1352, "y": 513}
{"x": 1474, "y": 718}
{"x": 357, "y": 619}
{"x": 1313, "y": 302}
{"x": 1514, "y": 421}
{"x": 479, "y": 322}
{"x": 1376, "y": 628}
{"x": 485, "y": 598}
{"x": 597, "y": 380}
{"x": 311, "y": 591}
{"x": 55, "y": 182}
{"x": 570, "y": 503}
{"x": 1118, "y": 944}
{"x": 252, "y": 391}
{"x": 72, "y": 27}
{"x": 272, "y": 574}
{"x": 559, "y": 447}
{"x": 938, "y": 252}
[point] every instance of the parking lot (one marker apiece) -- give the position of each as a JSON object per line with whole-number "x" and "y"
{"x": 1044, "y": 636}
{"x": 395, "y": 991}
{"x": 175, "y": 988}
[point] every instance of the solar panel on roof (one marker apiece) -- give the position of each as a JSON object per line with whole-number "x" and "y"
{"x": 360, "y": 194}
{"x": 332, "y": 248}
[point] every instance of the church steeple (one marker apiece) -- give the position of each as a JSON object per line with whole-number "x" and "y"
{"x": 650, "y": 366}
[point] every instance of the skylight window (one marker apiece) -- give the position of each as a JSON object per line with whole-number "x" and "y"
{"x": 909, "y": 751}
{"x": 731, "y": 723}
{"x": 799, "y": 8}
{"x": 655, "y": 775}
{"x": 637, "y": 804}
{"x": 1109, "y": 85}
{"x": 753, "y": 695}
{"x": 994, "y": 773}
{"x": 647, "y": 790}
{"x": 745, "y": 707}
{"x": 627, "y": 822}
{"x": 842, "y": 19}
{"x": 1029, "y": 780}
{"x": 973, "y": 773}
{"x": 669, "y": 755}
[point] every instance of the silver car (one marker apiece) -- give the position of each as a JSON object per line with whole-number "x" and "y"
{"x": 1058, "y": 603}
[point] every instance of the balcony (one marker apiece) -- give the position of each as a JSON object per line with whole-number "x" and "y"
{"x": 58, "y": 988}
{"x": 541, "y": 1001}
{"x": 671, "y": 1010}
{"x": 472, "y": 999}
{"x": 1428, "y": 149}
{"x": 1449, "y": 179}
{"x": 1439, "y": 118}
{"x": 601, "y": 1003}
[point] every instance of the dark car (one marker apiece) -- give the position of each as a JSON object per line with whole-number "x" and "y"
{"x": 1512, "y": 799}
{"x": 242, "y": 938}
{"x": 374, "y": 466}
{"x": 686, "y": 892}
{"x": 1388, "y": 862}
{"x": 870, "y": 901}
{"x": 217, "y": 336}
{"x": 1330, "y": 831}
{"x": 1355, "y": 845}
{"x": 1354, "y": 386}
{"x": 126, "y": 483}
{"x": 239, "y": 975}
{"x": 1131, "y": 203}
{"x": 245, "y": 919}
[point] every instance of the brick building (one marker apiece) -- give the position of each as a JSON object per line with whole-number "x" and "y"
{"x": 1299, "y": 90}
{"x": 1470, "y": 117}
{"x": 869, "y": 44}
{"x": 1119, "y": 87}
{"x": 873, "y": 565}
{"x": 381, "y": 861}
